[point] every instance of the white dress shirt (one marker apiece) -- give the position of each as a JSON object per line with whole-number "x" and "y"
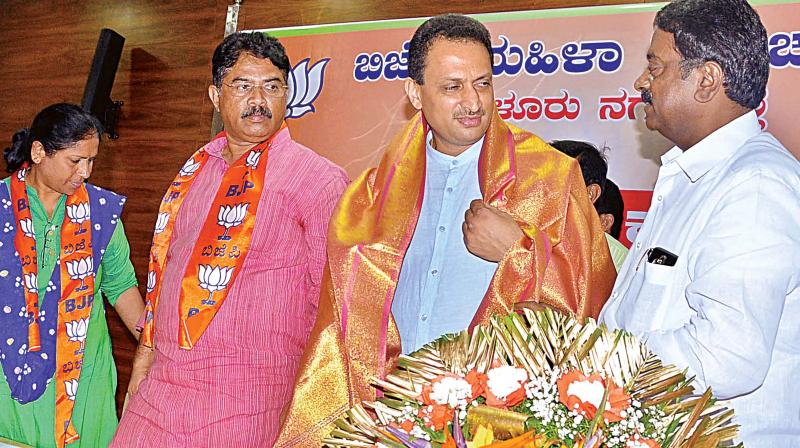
{"x": 441, "y": 283}
{"x": 729, "y": 309}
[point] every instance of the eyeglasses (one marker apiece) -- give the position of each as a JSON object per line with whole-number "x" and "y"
{"x": 270, "y": 88}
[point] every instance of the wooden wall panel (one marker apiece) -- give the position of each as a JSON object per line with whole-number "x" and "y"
{"x": 46, "y": 49}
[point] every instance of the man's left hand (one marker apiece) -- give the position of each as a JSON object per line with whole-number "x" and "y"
{"x": 489, "y": 232}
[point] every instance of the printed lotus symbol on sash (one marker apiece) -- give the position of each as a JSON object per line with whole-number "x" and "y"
{"x": 231, "y": 216}
{"x": 30, "y": 282}
{"x": 76, "y": 331}
{"x": 151, "y": 281}
{"x": 80, "y": 269}
{"x": 161, "y": 222}
{"x": 27, "y": 227}
{"x": 72, "y": 388}
{"x": 252, "y": 159}
{"x": 305, "y": 85}
{"x": 21, "y": 174}
{"x": 189, "y": 168}
{"x": 214, "y": 279}
{"x": 78, "y": 213}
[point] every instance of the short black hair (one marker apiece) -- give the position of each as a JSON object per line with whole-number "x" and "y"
{"x": 58, "y": 126}
{"x": 610, "y": 201}
{"x": 728, "y": 32}
{"x": 452, "y": 27}
{"x": 257, "y": 44}
{"x": 592, "y": 161}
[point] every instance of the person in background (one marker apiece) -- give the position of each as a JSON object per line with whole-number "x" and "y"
{"x": 62, "y": 250}
{"x": 594, "y": 169}
{"x": 712, "y": 281}
{"x": 611, "y": 208}
{"x": 235, "y": 268}
{"x": 465, "y": 216}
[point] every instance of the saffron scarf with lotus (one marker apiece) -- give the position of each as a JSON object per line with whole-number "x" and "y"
{"x": 563, "y": 261}
{"x": 221, "y": 247}
{"x": 38, "y": 343}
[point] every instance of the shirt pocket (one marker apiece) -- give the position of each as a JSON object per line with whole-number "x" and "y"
{"x": 646, "y": 311}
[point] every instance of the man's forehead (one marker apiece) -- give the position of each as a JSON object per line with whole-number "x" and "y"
{"x": 662, "y": 46}
{"x": 252, "y": 67}
{"x": 451, "y": 57}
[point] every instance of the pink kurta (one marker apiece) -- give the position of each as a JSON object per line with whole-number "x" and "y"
{"x": 230, "y": 388}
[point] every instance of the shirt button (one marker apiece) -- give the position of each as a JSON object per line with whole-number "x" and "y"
{"x": 639, "y": 245}
{"x": 660, "y": 198}
{"x": 424, "y": 317}
{"x": 449, "y": 189}
{"x": 441, "y": 228}
{"x": 455, "y": 162}
{"x": 435, "y": 272}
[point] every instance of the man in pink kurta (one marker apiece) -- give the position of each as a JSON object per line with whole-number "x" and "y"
{"x": 230, "y": 387}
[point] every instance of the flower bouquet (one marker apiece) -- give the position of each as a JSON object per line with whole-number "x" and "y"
{"x": 536, "y": 380}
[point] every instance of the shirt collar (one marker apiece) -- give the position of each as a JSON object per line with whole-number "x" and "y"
{"x": 214, "y": 147}
{"x": 470, "y": 155}
{"x": 715, "y": 148}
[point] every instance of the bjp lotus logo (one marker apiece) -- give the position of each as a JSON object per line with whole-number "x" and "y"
{"x": 76, "y": 331}
{"x": 72, "y": 388}
{"x": 252, "y": 159}
{"x": 21, "y": 175}
{"x": 78, "y": 214}
{"x": 189, "y": 168}
{"x": 79, "y": 270}
{"x": 161, "y": 222}
{"x": 151, "y": 281}
{"x": 214, "y": 279}
{"x": 305, "y": 85}
{"x": 27, "y": 227}
{"x": 231, "y": 216}
{"x": 30, "y": 283}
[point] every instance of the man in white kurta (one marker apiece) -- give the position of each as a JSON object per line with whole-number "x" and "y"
{"x": 712, "y": 282}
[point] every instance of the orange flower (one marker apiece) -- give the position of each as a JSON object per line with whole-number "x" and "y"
{"x": 477, "y": 381}
{"x": 513, "y": 399}
{"x": 407, "y": 426}
{"x": 438, "y": 414}
{"x": 579, "y": 392}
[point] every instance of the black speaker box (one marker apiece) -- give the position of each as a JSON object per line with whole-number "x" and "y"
{"x": 97, "y": 93}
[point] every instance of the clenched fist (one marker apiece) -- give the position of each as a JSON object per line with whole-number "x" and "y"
{"x": 489, "y": 232}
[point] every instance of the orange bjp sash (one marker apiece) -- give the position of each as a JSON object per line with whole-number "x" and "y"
{"x": 77, "y": 281}
{"x": 221, "y": 247}
{"x": 563, "y": 261}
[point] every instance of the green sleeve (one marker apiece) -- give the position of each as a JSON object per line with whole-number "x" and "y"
{"x": 117, "y": 273}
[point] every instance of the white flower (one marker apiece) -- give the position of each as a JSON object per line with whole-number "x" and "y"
{"x": 76, "y": 329}
{"x": 505, "y": 380}
{"x": 214, "y": 279}
{"x": 252, "y": 159}
{"x": 161, "y": 222}
{"x": 454, "y": 392}
{"x": 587, "y": 391}
{"x": 72, "y": 388}
{"x": 78, "y": 213}
{"x": 151, "y": 281}
{"x": 189, "y": 167}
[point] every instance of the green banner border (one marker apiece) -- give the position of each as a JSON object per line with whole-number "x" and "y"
{"x": 349, "y": 27}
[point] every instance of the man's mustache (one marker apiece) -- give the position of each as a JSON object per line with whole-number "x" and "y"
{"x": 468, "y": 114}
{"x": 647, "y": 96}
{"x": 257, "y": 110}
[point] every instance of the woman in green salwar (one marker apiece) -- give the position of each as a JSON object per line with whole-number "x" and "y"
{"x": 60, "y": 377}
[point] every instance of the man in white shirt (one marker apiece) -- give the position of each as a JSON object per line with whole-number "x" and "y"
{"x": 712, "y": 282}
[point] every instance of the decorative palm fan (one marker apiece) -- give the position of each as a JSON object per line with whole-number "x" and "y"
{"x": 543, "y": 343}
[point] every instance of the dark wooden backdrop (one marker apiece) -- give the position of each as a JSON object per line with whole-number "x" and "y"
{"x": 46, "y": 49}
